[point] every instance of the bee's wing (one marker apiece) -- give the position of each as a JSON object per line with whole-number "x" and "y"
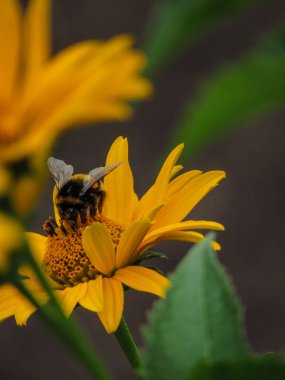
{"x": 97, "y": 174}
{"x": 60, "y": 171}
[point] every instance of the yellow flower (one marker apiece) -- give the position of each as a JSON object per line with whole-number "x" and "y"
{"x": 5, "y": 181}
{"x": 11, "y": 238}
{"x": 91, "y": 264}
{"x": 40, "y": 95}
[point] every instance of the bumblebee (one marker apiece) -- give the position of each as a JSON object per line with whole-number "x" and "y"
{"x": 79, "y": 196}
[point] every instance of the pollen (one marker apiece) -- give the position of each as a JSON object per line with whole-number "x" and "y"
{"x": 65, "y": 260}
{"x": 115, "y": 228}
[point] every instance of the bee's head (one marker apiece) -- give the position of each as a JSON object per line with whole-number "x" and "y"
{"x": 67, "y": 211}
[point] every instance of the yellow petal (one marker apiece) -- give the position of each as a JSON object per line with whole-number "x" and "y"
{"x": 59, "y": 75}
{"x": 98, "y": 245}
{"x": 126, "y": 85}
{"x": 121, "y": 199}
{"x": 37, "y": 35}
{"x": 93, "y": 299}
{"x": 25, "y": 309}
{"x": 12, "y": 302}
{"x": 86, "y": 71}
{"x": 28, "y": 145}
{"x": 156, "y": 194}
{"x": 177, "y": 184}
{"x": 189, "y": 225}
{"x": 130, "y": 240}
{"x": 86, "y": 82}
{"x": 23, "y": 312}
{"x": 143, "y": 279}
{"x": 182, "y": 203}
{"x": 191, "y": 237}
{"x": 56, "y": 93}
{"x": 111, "y": 314}
{"x": 10, "y": 32}
{"x": 9, "y": 298}
{"x": 151, "y": 215}
{"x": 114, "y": 48}
{"x": 157, "y": 234}
{"x": 85, "y": 112}
{"x": 69, "y": 297}
{"x": 176, "y": 169}
{"x": 37, "y": 245}
{"x": 216, "y": 246}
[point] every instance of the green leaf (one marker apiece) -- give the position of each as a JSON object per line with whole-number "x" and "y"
{"x": 173, "y": 24}
{"x": 251, "y": 369}
{"x": 199, "y": 320}
{"x": 242, "y": 90}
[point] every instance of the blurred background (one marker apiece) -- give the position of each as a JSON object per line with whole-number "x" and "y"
{"x": 250, "y": 202}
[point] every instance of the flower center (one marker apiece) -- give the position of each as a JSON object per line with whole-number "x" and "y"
{"x": 65, "y": 260}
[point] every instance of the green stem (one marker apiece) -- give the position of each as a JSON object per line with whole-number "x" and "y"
{"x": 52, "y": 313}
{"x": 128, "y": 345}
{"x": 38, "y": 272}
{"x": 65, "y": 329}
{"x": 70, "y": 333}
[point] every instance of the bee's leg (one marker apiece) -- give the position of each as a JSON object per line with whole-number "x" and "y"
{"x": 50, "y": 226}
{"x": 63, "y": 229}
{"x": 101, "y": 197}
{"x": 73, "y": 225}
{"x": 92, "y": 211}
{"x": 92, "y": 206}
{"x": 83, "y": 217}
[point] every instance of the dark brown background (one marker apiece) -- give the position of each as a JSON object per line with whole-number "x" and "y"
{"x": 250, "y": 202}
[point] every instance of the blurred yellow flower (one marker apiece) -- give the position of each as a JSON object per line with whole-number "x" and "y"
{"x": 5, "y": 181}
{"x": 24, "y": 194}
{"x": 90, "y": 264}
{"x": 11, "y": 238}
{"x": 40, "y": 95}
